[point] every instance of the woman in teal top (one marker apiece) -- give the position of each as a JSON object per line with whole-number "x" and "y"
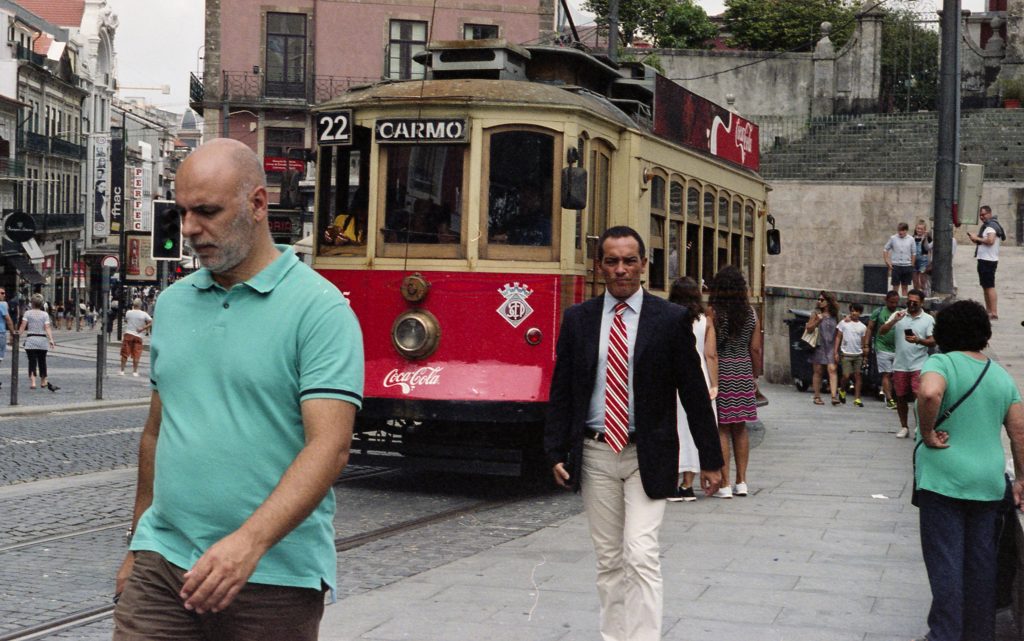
{"x": 959, "y": 473}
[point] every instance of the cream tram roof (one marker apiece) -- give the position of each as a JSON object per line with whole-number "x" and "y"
{"x": 472, "y": 91}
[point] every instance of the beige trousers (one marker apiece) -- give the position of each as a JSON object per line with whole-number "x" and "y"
{"x": 624, "y": 526}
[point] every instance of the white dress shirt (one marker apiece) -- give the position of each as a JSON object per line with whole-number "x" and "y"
{"x": 631, "y": 317}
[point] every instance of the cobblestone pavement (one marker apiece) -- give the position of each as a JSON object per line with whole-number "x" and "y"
{"x": 72, "y": 367}
{"x": 40, "y": 582}
{"x": 65, "y": 443}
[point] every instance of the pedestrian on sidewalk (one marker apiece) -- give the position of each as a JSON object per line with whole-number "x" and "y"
{"x": 136, "y": 324}
{"x": 824, "y": 356}
{"x": 233, "y": 533}
{"x": 686, "y": 292}
{"x": 850, "y": 350}
{"x": 740, "y": 345}
{"x": 959, "y": 473}
{"x": 913, "y": 328}
{"x": 922, "y": 251}
{"x": 621, "y": 361}
{"x": 899, "y": 254}
{"x": 884, "y": 345}
{"x": 6, "y": 324}
{"x": 986, "y": 250}
{"x": 36, "y": 327}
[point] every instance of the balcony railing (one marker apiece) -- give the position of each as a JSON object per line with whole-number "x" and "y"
{"x": 43, "y": 144}
{"x": 47, "y": 223}
{"x": 242, "y": 87}
{"x": 11, "y": 168}
{"x": 24, "y": 53}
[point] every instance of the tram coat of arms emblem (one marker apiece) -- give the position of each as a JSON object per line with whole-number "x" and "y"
{"x": 515, "y": 309}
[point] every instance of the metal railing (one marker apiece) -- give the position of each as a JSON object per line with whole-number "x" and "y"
{"x": 43, "y": 144}
{"x": 242, "y": 87}
{"x": 58, "y": 222}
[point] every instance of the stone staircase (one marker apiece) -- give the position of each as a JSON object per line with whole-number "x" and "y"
{"x": 889, "y": 147}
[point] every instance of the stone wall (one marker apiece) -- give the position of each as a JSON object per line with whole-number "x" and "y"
{"x": 831, "y": 230}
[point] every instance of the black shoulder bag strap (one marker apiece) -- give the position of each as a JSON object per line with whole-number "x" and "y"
{"x": 942, "y": 417}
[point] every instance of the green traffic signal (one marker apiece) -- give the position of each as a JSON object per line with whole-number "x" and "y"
{"x": 168, "y": 244}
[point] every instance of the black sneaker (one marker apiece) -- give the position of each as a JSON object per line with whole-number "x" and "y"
{"x": 683, "y": 494}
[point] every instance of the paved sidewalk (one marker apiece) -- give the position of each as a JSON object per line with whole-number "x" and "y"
{"x": 826, "y": 547}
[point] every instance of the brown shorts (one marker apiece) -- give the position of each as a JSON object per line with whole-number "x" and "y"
{"x": 149, "y": 608}
{"x": 906, "y": 384}
{"x": 131, "y": 345}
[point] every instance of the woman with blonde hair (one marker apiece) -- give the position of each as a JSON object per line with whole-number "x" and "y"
{"x": 922, "y": 262}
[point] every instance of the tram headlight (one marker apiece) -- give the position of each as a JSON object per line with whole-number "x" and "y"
{"x": 416, "y": 334}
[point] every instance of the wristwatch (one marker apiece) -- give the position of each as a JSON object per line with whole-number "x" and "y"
{"x": 128, "y": 536}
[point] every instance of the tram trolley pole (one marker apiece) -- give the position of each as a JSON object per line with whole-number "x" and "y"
{"x": 14, "y": 367}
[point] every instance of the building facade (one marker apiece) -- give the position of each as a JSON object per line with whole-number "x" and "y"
{"x": 265, "y": 65}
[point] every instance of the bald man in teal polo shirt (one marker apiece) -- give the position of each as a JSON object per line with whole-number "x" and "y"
{"x": 257, "y": 374}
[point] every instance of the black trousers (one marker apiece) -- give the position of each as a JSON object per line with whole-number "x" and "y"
{"x": 36, "y": 359}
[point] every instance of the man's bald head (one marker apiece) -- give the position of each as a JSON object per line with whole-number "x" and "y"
{"x": 231, "y": 160}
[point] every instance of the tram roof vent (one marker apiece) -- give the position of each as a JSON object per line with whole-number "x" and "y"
{"x": 495, "y": 59}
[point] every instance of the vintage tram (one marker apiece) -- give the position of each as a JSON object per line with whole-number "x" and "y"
{"x": 458, "y": 214}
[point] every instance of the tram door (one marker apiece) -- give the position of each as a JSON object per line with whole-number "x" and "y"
{"x": 597, "y": 220}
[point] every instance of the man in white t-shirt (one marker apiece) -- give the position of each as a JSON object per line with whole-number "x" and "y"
{"x": 851, "y": 348}
{"x": 900, "y": 253}
{"x": 136, "y": 322}
{"x": 987, "y": 251}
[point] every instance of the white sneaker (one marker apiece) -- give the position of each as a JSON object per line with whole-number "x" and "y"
{"x": 135, "y": 374}
{"x": 740, "y": 489}
{"x": 723, "y": 493}
{"x": 903, "y": 433}
{"x": 121, "y": 373}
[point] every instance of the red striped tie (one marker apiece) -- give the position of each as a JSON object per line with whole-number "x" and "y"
{"x": 616, "y": 394}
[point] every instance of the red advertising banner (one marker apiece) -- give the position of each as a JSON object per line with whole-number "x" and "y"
{"x": 693, "y": 121}
{"x": 279, "y": 164}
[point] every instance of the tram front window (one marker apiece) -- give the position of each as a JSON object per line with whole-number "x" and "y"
{"x": 424, "y": 194}
{"x": 519, "y": 198}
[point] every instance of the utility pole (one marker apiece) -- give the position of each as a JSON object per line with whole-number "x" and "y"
{"x": 613, "y": 30}
{"x": 949, "y": 147}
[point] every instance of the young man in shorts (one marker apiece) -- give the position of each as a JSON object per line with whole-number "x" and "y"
{"x": 884, "y": 346}
{"x": 913, "y": 329}
{"x": 136, "y": 322}
{"x": 899, "y": 254}
{"x": 851, "y": 346}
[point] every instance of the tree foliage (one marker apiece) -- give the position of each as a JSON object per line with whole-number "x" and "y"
{"x": 678, "y": 24}
{"x": 910, "y": 62}
{"x": 787, "y": 25}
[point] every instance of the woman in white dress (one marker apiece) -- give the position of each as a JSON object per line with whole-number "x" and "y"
{"x": 687, "y": 293}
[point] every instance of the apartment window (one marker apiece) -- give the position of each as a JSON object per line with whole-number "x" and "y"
{"x": 407, "y": 38}
{"x": 479, "y": 31}
{"x": 286, "y": 55}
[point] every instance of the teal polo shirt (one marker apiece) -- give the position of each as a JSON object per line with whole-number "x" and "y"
{"x": 232, "y": 368}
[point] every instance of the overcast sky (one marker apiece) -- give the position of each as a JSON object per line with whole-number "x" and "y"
{"x": 158, "y": 43}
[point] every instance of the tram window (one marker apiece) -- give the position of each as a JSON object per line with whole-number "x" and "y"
{"x": 737, "y": 214}
{"x": 657, "y": 193}
{"x": 748, "y": 259}
{"x": 423, "y": 200}
{"x": 734, "y": 255}
{"x": 675, "y": 248}
{"x": 693, "y": 204}
{"x": 656, "y": 265}
{"x": 342, "y": 197}
{"x": 675, "y": 199}
{"x": 709, "y": 207}
{"x": 519, "y": 197}
{"x": 707, "y": 254}
{"x": 723, "y": 212}
{"x": 723, "y": 251}
{"x": 748, "y": 219}
{"x": 692, "y": 251}
{"x": 601, "y": 163}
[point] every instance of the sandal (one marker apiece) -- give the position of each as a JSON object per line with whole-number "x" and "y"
{"x": 835, "y": 401}
{"x": 818, "y": 401}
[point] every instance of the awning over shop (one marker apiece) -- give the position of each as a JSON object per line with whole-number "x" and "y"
{"x": 31, "y": 248}
{"x": 25, "y": 269}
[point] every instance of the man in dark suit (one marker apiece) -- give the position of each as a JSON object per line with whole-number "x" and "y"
{"x": 611, "y": 428}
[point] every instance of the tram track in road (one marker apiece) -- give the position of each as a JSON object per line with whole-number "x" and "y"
{"x": 88, "y": 616}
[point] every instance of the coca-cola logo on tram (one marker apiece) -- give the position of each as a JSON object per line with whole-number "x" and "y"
{"x": 408, "y": 381}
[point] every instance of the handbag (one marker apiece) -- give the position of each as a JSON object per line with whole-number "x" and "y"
{"x": 811, "y": 337}
{"x": 939, "y": 421}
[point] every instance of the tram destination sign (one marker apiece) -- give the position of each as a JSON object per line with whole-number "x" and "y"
{"x": 421, "y": 130}
{"x": 334, "y": 128}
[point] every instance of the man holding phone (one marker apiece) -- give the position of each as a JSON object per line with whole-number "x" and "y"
{"x": 913, "y": 328}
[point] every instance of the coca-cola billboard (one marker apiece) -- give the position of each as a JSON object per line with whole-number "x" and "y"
{"x": 693, "y": 121}
{"x": 409, "y": 380}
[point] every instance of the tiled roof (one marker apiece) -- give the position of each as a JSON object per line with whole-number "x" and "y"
{"x": 63, "y": 13}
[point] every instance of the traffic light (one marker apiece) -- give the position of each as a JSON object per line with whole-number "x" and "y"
{"x": 166, "y": 230}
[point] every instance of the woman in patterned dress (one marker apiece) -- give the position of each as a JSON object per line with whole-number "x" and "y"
{"x": 825, "y": 318}
{"x": 740, "y": 346}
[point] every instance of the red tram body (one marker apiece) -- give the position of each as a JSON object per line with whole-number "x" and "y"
{"x": 458, "y": 215}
